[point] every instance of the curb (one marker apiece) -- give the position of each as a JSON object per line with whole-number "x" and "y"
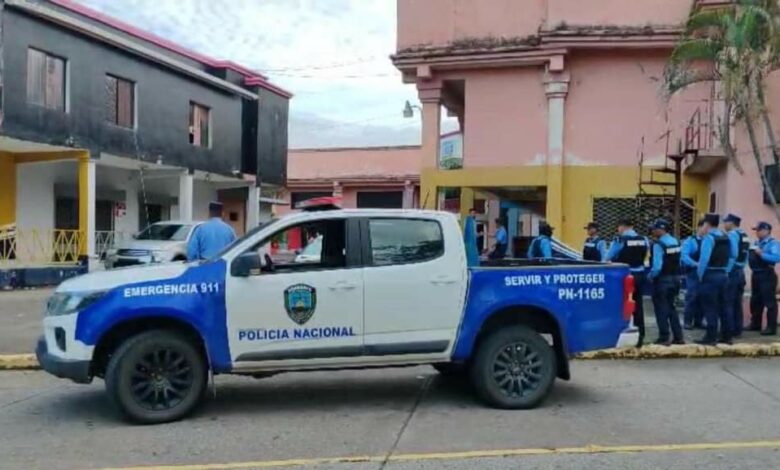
{"x": 18, "y": 362}
{"x": 685, "y": 351}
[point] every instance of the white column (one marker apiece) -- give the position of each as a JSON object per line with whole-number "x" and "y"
{"x": 556, "y": 89}
{"x": 185, "y": 196}
{"x": 252, "y": 207}
{"x": 92, "y": 260}
{"x": 408, "y": 196}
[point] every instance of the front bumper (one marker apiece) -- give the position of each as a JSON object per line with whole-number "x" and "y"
{"x": 78, "y": 371}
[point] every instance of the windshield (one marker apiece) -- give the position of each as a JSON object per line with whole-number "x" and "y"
{"x": 246, "y": 235}
{"x": 165, "y": 232}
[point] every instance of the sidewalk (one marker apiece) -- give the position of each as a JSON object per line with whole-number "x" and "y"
{"x": 20, "y": 319}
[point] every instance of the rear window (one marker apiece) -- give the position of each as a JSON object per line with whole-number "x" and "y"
{"x": 404, "y": 241}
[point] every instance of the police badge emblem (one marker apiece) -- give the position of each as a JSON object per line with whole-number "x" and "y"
{"x": 300, "y": 301}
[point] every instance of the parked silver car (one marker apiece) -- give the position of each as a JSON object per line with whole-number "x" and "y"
{"x": 161, "y": 242}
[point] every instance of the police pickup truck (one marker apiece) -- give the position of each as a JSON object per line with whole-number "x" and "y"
{"x": 389, "y": 288}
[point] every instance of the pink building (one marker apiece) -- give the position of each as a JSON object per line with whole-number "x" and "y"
{"x": 561, "y": 108}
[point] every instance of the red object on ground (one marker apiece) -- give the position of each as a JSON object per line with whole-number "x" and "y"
{"x": 628, "y": 297}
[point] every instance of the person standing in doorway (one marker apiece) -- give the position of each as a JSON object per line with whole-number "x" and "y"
{"x": 665, "y": 276}
{"x": 501, "y": 242}
{"x": 715, "y": 262}
{"x": 211, "y": 236}
{"x": 541, "y": 246}
{"x": 595, "y": 248}
{"x": 631, "y": 248}
{"x": 764, "y": 254}
{"x": 470, "y": 239}
{"x": 735, "y": 290}
{"x": 693, "y": 317}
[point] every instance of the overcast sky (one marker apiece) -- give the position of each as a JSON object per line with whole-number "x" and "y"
{"x": 332, "y": 54}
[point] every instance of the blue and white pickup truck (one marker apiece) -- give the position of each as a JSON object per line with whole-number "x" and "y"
{"x": 389, "y": 288}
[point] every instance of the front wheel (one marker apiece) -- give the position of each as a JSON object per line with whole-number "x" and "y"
{"x": 156, "y": 377}
{"x": 514, "y": 368}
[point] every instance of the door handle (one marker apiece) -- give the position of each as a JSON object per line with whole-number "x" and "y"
{"x": 439, "y": 280}
{"x": 342, "y": 285}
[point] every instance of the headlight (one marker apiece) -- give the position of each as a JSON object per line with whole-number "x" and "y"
{"x": 65, "y": 303}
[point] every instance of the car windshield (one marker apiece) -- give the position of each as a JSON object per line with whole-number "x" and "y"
{"x": 165, "y": 232}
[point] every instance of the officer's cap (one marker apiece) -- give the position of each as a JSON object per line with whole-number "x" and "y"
{"x": 712, "y": 219}
{"x": 733, "y": 218}
{"x": 763, "y": 226}
{"x": 592, "y": 225}
{"x": 661, "y": 224}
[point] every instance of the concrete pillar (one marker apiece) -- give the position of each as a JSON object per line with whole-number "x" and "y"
{"x": 466, "y": 202}
{"x": 186, "y": 195}
{"x": 252, "y": 207}
{"x": 408, "y": 196}
{"x": 430, "y": 96}
{"x": 556, "y": 89}
{"x": 86, "y": 168}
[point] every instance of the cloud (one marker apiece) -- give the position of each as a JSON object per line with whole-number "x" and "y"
{"x": 332, "y": 54}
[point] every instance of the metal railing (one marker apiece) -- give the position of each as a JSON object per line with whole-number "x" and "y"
{"x": 40, "y": 246}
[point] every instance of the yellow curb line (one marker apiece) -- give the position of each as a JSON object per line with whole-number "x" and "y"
{"x": 684, "y": 351}
{"x": 462, "y": 455}
{"x": 18, "y": 362}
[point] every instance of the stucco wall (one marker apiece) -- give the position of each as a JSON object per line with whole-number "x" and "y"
{"x": 616, "y": 12}
{"x": 306, "y": 164}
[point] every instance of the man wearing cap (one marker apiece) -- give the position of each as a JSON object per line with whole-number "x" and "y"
{"x": 665, "y": 276}
{"x": 715, "y": 262}
{"x": 211, "y": 236}
{"x": 541, "y": 246}
{"x": 689, "y": 260}
{"x": 595, "y": 248}
{"x": 735, "y": 289}
{"x": 631, "y": 248}
{"x": 764, "y": 254}
{"x": 502, "y": 241}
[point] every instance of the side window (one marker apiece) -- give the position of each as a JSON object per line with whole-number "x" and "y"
{"x": 313, "y": 245}
{"x": 404, "y": 241}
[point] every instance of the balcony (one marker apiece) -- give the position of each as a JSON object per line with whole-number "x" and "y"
{"x": 703, "y": 146}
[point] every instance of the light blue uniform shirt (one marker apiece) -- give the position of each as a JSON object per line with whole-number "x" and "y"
{"x": 707, "y": 245}
{"x": 735, "y": 238}
{"x": 501, "y": 236}
{"x": 617, "y": 246}
{"x": 209, "y": 239}
{"x": 544, "y": 245}
{"x": 770, "y": 250}
{"x": 689, "y": 247}
{"x": 658, "y": 254}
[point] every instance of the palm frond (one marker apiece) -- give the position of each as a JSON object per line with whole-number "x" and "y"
{"x": 696, "y": 49}
{"x": 708, "y": 19}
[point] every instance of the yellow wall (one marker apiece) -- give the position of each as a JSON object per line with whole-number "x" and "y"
{"x": 7, "y": 189}
{"x": 580, "y": 185}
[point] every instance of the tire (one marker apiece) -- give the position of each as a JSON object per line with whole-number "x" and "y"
{"x": 526, "y": 379}
{"x": 167, "y": 395}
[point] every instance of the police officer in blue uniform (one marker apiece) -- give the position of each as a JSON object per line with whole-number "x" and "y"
{"x": 541, "y": 246}
{"x": 665, "y": 276}
{"x": 631, "y": 248}
{"x": 715, "y": 262}
{"x": 689, "y": 260}
{"x": 764, "y": 254}
{"x": 595, "y": 248}
{"x": 502, "y": 241}
{"x": 735, "y": 290}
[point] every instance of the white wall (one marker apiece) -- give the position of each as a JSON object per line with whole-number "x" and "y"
{"x": 35, "y": 195}
{"x": 202, "y": 193}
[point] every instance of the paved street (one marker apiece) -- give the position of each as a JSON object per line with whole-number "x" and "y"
{"x": 719, "y": 413}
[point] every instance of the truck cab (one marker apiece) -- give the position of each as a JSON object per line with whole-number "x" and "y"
{"x": 387, "y": 288}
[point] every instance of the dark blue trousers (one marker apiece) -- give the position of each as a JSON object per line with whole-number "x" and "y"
{"x": 735, "y": 290}
{"x": 762, "y": 296}
{"x": 665, "y": 291}
{"x": 713, "y": 298}
{"x": 694, "y": 314}
{"x": 640, "y": 280}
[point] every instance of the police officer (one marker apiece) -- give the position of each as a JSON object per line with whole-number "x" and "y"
{"x": 735, "y": 290}
{"x": 211, "y": 236}
{"x": 631, "y": 248}
{"x": 689, "y": 260}
{"x": 764, "y": 254}
{"x": 502, "y": 241}
{"x": 665, "y": 276}
{"x": 715, "y": 261}
{"x": 595, "y": 248}
{"x": 541, "y": 246}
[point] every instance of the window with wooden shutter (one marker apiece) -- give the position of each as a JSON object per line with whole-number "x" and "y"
{"x": 200, "y": 120}
{"x": 45, "y": 80}
{"x": 120, "y": 101}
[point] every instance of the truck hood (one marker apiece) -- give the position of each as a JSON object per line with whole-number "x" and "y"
{"x": 104, "y": 280}
{"x": 148, "y": 244}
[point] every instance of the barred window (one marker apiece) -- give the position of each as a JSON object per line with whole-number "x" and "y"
{"x": 608, "y": 211}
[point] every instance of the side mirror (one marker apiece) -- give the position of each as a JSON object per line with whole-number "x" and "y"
{"x": 247, "y": 264}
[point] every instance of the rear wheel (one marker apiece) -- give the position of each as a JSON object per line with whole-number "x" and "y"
{"x": 514, "y": 368}
{"x": 156, "y": 377}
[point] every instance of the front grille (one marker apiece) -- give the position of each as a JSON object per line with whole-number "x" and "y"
{"x": 59, "y": 336}
{"x": 131, "y": 252}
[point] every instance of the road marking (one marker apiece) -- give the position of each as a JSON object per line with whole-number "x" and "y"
{"x": 472, "y": 454}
